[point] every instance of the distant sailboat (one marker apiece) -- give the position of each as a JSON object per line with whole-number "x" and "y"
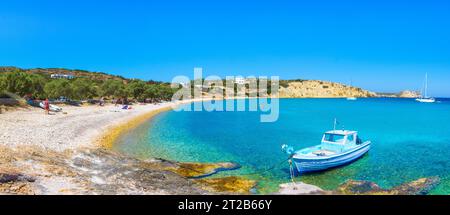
{"x": 424, "y": 98}
{"x": 351, "y": 98}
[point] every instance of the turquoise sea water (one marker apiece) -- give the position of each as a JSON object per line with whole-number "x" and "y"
{"x": 410, "y": 140}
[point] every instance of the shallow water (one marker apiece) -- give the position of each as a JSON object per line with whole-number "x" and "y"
{"x": 410, "y": 140}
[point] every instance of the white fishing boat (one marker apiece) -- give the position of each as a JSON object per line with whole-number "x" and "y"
{"x": 337, "y": 148}
{"x": 424, "y": 98}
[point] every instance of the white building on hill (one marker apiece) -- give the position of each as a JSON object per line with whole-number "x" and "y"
{"x": 240, "y": 80}
{"x": 59, "y": 76}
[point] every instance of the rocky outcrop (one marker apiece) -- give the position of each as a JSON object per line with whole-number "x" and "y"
{"x": 353, "y": 187}
{"x": 31, "y": 170}
{"x": 409, "y": 94}
{"x": 231, "y": 184}
{"x": 7, "y": 176}
{"x": 418, "y": 187}
{"x": 12, "y": 181}
{"x": 321, "y": 89}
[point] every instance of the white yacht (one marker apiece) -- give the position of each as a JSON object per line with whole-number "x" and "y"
{"x": 424, "y": 98}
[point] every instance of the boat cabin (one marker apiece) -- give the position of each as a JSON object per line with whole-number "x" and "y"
{"x": 339, "y": 140}
{"x": 333, "y": 142}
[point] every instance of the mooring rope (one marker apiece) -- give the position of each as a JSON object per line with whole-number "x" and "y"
{"x": 266, "y": 170}
{"x": 291, "y": 170}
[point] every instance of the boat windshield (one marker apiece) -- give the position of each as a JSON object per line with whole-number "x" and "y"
{"x": 335, "y": 138}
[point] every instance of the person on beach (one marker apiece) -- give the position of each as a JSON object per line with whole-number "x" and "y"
{"x": 47, "y": 107}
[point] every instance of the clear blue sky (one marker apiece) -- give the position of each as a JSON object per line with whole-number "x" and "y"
{"x": 381, "y": 45}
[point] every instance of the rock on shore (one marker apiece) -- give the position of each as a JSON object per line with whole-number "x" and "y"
{"x": 299, "y": 188}
{"x": 420, "y": 186}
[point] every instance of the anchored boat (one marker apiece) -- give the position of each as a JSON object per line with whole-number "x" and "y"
{"x": 338, "y": 147}
{"x": 424, "y": 98}
{"x": 351, "y": 98}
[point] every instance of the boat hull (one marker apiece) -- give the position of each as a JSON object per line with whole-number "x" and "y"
{"x": 313, "y": 164}
{"x": 426, "y": 100}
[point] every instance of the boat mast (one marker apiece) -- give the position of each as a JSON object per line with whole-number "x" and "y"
{"x": 426, "y": 85}
{"x": 335, "y": 122}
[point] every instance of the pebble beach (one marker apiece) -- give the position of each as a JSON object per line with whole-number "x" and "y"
{"x": 74, "y": 127}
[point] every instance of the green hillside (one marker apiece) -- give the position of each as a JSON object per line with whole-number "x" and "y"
{"x": 38, "y": 84}
{"x": 100, "y": 76}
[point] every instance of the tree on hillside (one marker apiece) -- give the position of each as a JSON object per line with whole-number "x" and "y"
{"x": 121, "y": 92}
{"x": 109, "y": 87}
{"x": 136, "y": 89}
{"x": 152, "y": 92}
{"x": 83, "y": 88}
{"x": 18, "y": 82}
{"x": 2, "y": 83}
{"x": 37, "y": 86}
{"x": 57, "y": 88}
{"x": 166, "y": 92}
{"x": 114, "y": 88}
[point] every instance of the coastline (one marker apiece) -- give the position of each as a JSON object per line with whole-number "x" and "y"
{"x": 70, "y": 153}
{"x": 107, "y": 139}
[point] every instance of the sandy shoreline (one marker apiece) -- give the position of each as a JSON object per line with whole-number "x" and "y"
{"x": 80, "y": 127}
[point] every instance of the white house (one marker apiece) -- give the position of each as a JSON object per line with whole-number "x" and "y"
{"x": 239, "y": 80}
{"x": 57, "y": 76}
